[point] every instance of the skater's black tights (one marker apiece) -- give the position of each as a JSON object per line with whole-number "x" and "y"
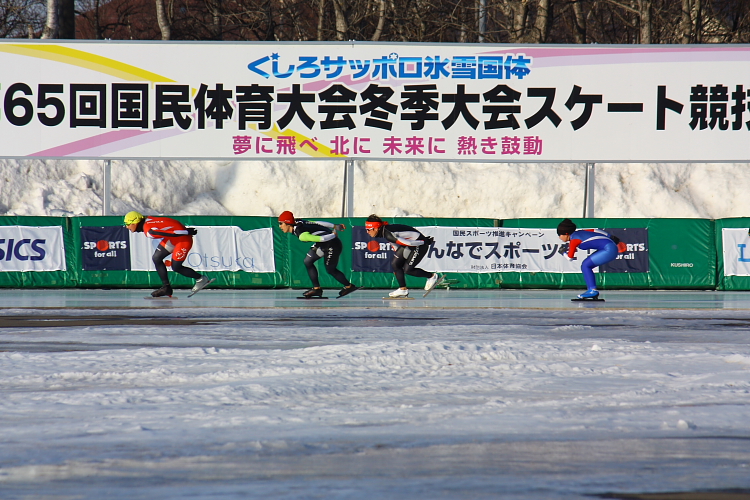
{"x": 405, "y": 261}
{"x": 160, "y": 254}
{"x": 331, "y": 252}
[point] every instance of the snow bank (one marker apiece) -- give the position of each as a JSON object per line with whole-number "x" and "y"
{"x": 315, "y": 188}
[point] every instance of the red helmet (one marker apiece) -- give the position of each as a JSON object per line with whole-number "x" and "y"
{"x": 287, "y": 217}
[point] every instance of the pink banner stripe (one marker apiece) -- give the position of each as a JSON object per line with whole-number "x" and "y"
{"x": 89, "y": 143}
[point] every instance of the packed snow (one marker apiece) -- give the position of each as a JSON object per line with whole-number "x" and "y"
{"x": 391, "y": 189}
{"x": 226, "y": 397}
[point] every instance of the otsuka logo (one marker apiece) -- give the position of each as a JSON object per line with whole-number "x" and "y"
{"x": 218, "y": 262}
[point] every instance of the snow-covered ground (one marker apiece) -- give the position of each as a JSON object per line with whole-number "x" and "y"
{"x": 219, "y": 396}
{"x": 315, "y": 189}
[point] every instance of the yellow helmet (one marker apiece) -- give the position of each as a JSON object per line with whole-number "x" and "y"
{"x": 133, "y": 218}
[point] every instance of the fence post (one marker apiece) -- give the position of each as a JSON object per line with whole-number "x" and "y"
{"x": 107, "y": 195}
{"x": 588, "y": 194}
{"x": 347, "y": 204}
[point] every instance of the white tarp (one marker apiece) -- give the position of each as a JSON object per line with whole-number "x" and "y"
{"x": 387, "y": 101}
{"x": 215, "y": 248}
{"x": 32, "y": 248}
{"x": 736, "y": 251}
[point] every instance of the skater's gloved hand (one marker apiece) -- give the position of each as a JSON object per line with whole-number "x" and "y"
{"x": 429, "y": 240}
{"x": 339, "y": 227}
{"x": 192, "y": 231}
{"x": 563, "y": 248}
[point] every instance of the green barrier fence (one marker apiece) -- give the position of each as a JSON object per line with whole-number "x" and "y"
{"x": 148, "y": 279}
{"x": 375, "y": 279}
{"x": 27, "y": 279}
{"x": 682, "y": 254}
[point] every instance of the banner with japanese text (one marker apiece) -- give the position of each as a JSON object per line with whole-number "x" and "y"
{"x": 224, "y": 248}
{"x": 377, "y": 101}
{"x": 493, "y": 249}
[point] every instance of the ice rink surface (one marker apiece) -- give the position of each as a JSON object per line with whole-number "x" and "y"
{"x": 442, "y": 298}
{"x": 467, "y": 394}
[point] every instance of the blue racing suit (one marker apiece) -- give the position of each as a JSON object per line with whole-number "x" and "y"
{"x": 593, "y": 239}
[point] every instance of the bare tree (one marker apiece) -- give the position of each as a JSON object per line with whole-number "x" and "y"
{"x": 60, "y": 19}
{"x": 215, "y": 12}
{"x": 644, "y": 19}
{"x": 66, "y": 20}
{"x": 689, "y": 20}
{"x": 339, "y": 9}
{"x": 163, "y": 20}
{"x": 579, "y": 22}
{"x": 517, "y": 12}
{"x": 381, "y": 7}
{"x": 541, "y": 26}
{"x": 51, "y": 28}
{"x": 20, "y": 18}
{"x": 468, "y": 21}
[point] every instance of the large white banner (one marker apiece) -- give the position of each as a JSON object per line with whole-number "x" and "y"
{"x": 215, "y": 248}
{"x": 497, "y": 249}
{"x": 736, "y": 251}
{"x": 32, "y": 248}
{"x": 384, "y": 101}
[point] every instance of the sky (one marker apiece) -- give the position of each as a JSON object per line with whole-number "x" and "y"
{"x": 389, "y": 189}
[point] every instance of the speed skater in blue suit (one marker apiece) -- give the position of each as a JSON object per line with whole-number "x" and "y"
{"x": 606, "y": 248}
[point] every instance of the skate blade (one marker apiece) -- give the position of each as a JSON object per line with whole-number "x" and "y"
{"x": 204, "y": 286}
{"x": 398, "y": 298}
{"x": 437, "y": 283}
{"x": 357, "y": 288}
{"x": 587, "y": 300}
{"x": 312, "y": 298}
{"x": 161, "y": 298}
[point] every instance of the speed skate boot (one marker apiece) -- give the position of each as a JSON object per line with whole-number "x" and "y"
{"x": 347, "y": 290}
{"x": 313, "y": 292}
{"x": 164, "y": 291}
{"x": 433, "y": 281}
{"x": 399, "y": 293}
{"x": 201, "y": 283}
{"x": 589, "y": 294}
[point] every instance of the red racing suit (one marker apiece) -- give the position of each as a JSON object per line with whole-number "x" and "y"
{"x": 174, "y": 236}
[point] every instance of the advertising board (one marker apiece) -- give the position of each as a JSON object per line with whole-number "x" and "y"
{"x": 377, "y": 101}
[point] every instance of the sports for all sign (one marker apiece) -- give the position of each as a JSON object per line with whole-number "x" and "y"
{"x": 377, "y": 101}
{"x": 105, "y": 248}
